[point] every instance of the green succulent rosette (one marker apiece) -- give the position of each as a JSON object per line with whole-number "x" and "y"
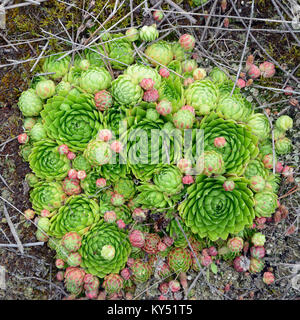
{"x": 31, "y": 179}
{"x": 94, "y": 55}
{"x": 259, "y": 125}
{"x": 125, "y": 187}
{"x": 94, "y": 258}
{"x": 176, "y": 66}
{"x": 265, "y": 203}
{"x": 234, "y": 107}
{"x": 255, "y": 168}
{"x": 81, "y": 163}
{"x": 178, "y": 52}
{"x": 113, "y": 172}
{"x": 121, "y": 51}
{"x": 123, "y": 213}
{"x": 77, "y": 214}
{"x": 147, "y": 148}
{"x": 38, "y": 132}
{"x": 59, "y": 67}
{"x": 189, "y": 65}
{"x": 25, "y": 151}
{"x": 226, "y": 87}
{"x": 179, "y": 260}
{"x": 202, "y": 95}
{"x": 278, "y": 134}
{"x": 171, "y": 89}
{"x": 137, "y": 72}
{"x": 72, "y": 76}
{"x": 273, "y": 182}
{"x": 71, "y": 119}
{"x": 114, "y": 119}
{"x": 218, "y": 76}
{"x": 30, "y": 103}
{"x": 148, "y": 33}
{"x": 105, "y": 196}
{"x": 125, "y": 92}
{"x": 284, "y": 123}
{"x": 141, "y": 111}
{"x": 95, "y": 79}
{"x": 97, "y": 153}
{"x": 29, "y": 122}
{"x": 240, "y": 147}
{"x": 137, "y": 253}
{"x": 132, "y": 34}
{"x": 211, "y": 163}
{"x": 175, "y": 232}
{"x": 35, "y": 80}
{"x": 46, "y": 162}
{"x": 47, "y": 195}
{"x": 212, "y": 212}
{"x": 88, "y": 184}
{"x": 168, "y": 179}
{"x": 265, "y": 147}
{"x": 104, "y": 207}
{"x": 141, "y": 271}
{"x": 63, "y": 86}
{"x": 283, "y": 146}
{"x": 159, "y": 53}
{"x": 150, "y": 197}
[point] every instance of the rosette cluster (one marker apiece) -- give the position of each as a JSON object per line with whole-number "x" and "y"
{"x": 111, "y": 179}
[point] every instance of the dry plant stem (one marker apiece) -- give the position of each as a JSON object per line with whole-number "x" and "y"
{"x": 7, "y": 141}
{"x": 30, "y": 244}
{"x": 155, "y": 283}
{"x": 230, "y": 17}
{"x": 84, "y": 11}
{"x": 131, "y": 14}
{"x": 8, "y": 187}
{"x": 212, "y": 11}
{"x": 184, "y": 13}
{"x": 220, "y": 28}
{"x": 289, "y": 193}
{"x": 244, "y": 50}
{"x": 13, "y": 230}
{"x": 177, "y": 74}
{"x": 33, "y": 2}
{"x": 212, "y": 288}
{"x": 221, "y": 23}
{"x": 42, "y": 280}
{"x": 275, "y": 89}
{"x": 28, "y": 3}
{"x": 5, "y": 236}
{"x": 19, "y": 43}
{"x": 90, "y": 41}
{"x": 40, "y": 56}
{"x": 80, "y": 47}
{"x": 15, "y": 208}
{"x": 264, "y": 105}
{"x": 284, "y": 21}
{"x": 9, "y": 43}
{"x": 262, "y": 48}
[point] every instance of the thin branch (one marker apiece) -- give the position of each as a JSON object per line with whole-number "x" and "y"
{"x": 244, "y": 50}
{"x": 184, "y": 13}
{"x": 13, "y": 230}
